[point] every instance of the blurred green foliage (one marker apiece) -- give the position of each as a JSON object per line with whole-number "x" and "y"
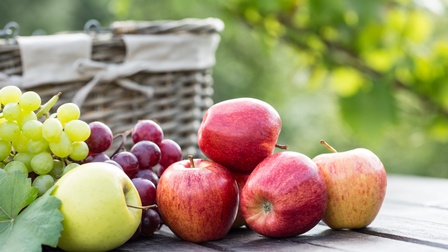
{"x": 367, "y": 74}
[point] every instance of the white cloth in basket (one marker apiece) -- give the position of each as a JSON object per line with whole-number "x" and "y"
{"x": 171, "y": 52}
{"x": 49, "y": 59}
{"x": 152, "y": 53}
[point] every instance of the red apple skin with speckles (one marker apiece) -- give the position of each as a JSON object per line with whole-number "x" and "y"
{"x": 356, "y": 183}
{"x": 239, "y": 133}
{"x": 198, "y": 203}
{"x": 284, "y": 196}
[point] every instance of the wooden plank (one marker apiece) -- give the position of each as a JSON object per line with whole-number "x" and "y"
{"x": 244, "y": 239}
{"x": 423, "y": 191}
{"x": 163, "y": 240}
{"x": 347, "y": 240}
{"x": 320, "y": 238}
{"x": 412, "y": 223}
{"x": 415, "y": 210}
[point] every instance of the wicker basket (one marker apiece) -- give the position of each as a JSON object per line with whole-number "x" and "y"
{"x": 179, "y": 99}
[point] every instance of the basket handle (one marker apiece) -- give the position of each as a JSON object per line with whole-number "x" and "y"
{"x": 10, "y": 31}
{"x": 209, "y": 25}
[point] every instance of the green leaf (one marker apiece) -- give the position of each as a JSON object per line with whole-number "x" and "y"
{"x": 369, "y": 112}
{"x": 16, "y": 194}
{"x": 26, "y": 222}
{"x": 346, "y": 81}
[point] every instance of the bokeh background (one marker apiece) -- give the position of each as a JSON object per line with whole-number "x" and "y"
{"x": 370, "y": 74}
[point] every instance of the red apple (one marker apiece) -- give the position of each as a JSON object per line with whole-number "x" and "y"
{"x": 241, "y": 179}
{"x": 284, "y": 196}
{"x": 356, "y": 183}
{"x": 239, "y": 133}
{"x": 198, "y": 200}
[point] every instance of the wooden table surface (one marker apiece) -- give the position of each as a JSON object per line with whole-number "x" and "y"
{"x": 414, "y": 217}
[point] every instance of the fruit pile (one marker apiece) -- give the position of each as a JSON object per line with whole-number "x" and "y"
{"x": 281, "y": 193}
{"x": 109, "y": 196}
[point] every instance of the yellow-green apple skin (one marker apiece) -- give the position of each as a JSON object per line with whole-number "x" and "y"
{"x": 95, "y": 198}
{"x": 356, "y": 184}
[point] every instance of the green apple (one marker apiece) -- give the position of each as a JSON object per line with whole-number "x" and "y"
{"x": 100, "y": 207}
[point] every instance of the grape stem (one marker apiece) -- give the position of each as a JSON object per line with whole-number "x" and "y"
{"x": 47, "y": 106}
{"x": 123, "y": 136}
{"x": 142, "y": 207}
{"x": 281, "y": 146}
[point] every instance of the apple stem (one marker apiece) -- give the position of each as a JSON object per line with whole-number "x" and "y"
{"x": 328, "y": 146}
{"x": 190, "y": 157}
{"x": 281, "y": 146}
{"x": 143, "y": 207}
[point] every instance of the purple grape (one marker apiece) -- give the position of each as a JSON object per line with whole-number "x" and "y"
{"x": 150, "y": 222}
{"x": 147, "y": 153}
{"x": 128, "y": 162}
{"x": 147, "y": 130}
{"x": 158, "y": 169}
{"x": 96, "y": 157}
{"x": 146, "y": 189}
{"x": 148, "y": 174}
{"x": 101, "y": 137}
{"x": 171, "y": 152}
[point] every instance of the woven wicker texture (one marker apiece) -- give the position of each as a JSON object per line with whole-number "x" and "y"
{"x": 180, "y": 97}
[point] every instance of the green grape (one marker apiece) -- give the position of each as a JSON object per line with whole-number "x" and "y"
{"x": 52, "y": 129}
{"x": 30, "y": 101}
{"x": 16, "y": 166}
{"x": 10, "y": 94}
{"x": 43, "y": 183}
{"x": 80, "y": 151}
{"x": 69, "y": 167}
{"x": 42, "y": 163}
{"x": 68, "y": 112}
{"x": 24, "y": 157}
{"x": 32, "y": 129}
{"x": 5, "y": 149}
{"x": 77, "y": 130}
{"x": 26, "y": 116}
{"x": 9, "y": 131}
{"x": 37, "y": 146}
{"x": 20, "y": 144}
{"x": 63, "y": 147}
{"x": 11, "y": 111}
{"x": 58, "y": 168}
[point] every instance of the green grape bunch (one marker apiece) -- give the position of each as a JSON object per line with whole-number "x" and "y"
{"x": 38, "y": 143}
